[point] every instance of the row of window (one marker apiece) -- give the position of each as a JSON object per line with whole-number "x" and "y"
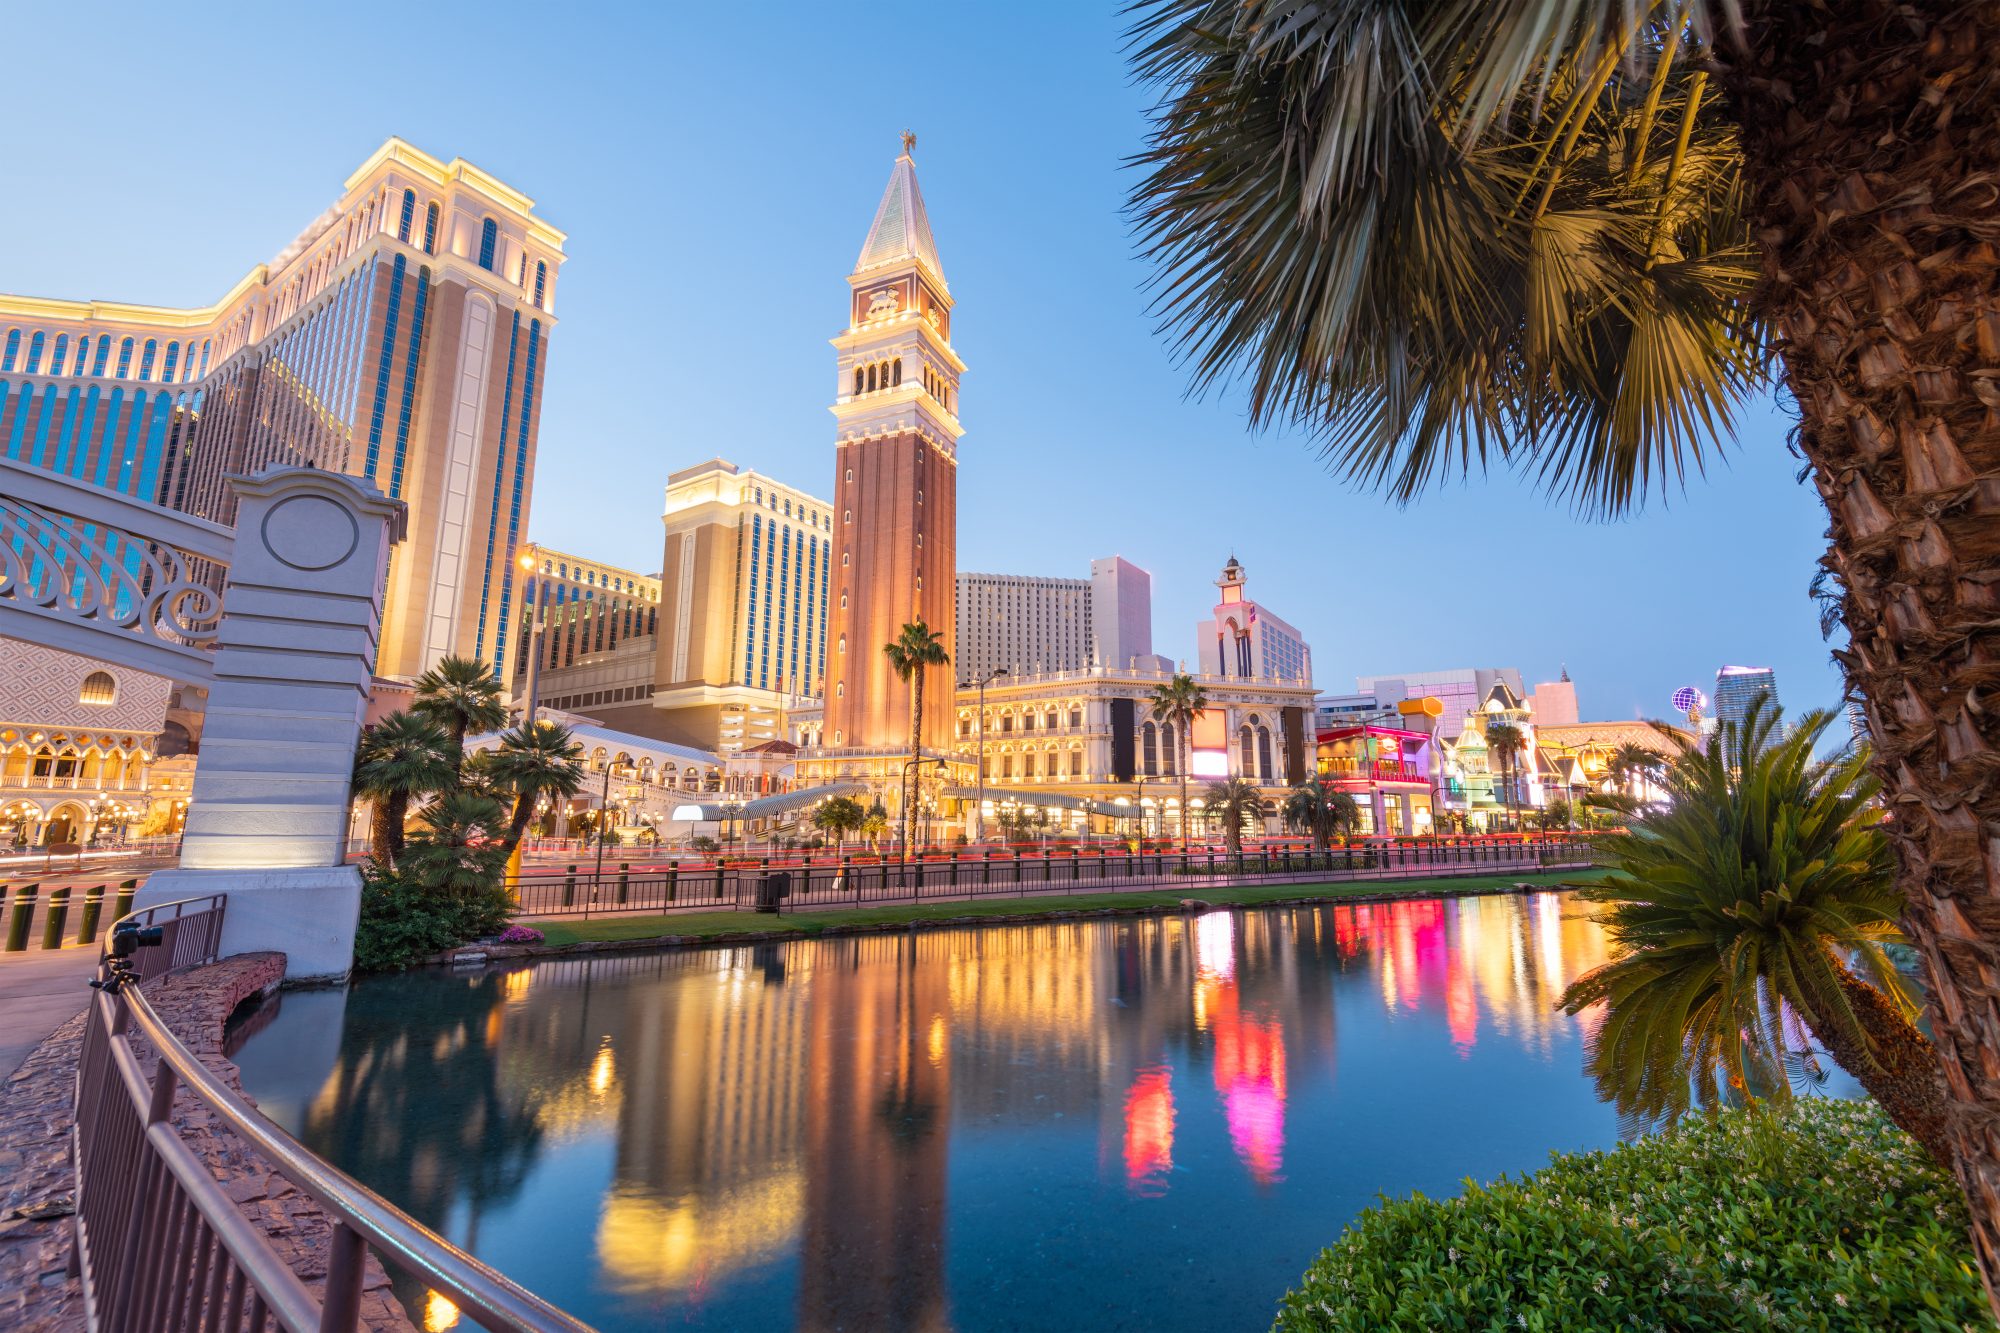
{"x": 35, "y": 352}
{"x": 783, "y": 504}
{"x": 1003, "y": 722}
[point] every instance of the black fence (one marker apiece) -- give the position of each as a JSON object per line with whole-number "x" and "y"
{"x": 786, "y": 883}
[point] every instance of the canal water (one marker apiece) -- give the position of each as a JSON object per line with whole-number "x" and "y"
{"x": 1148, "y": 1123}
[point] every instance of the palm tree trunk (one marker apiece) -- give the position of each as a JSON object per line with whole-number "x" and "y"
{"x": 1897, "y": 1066}
{"x": 1869, "y": 159}
{"x": 1180, "y": 761}
{"x": 916, "y": 754}
{"x": 395, "y": 814}
{"x": 517, "y": 827}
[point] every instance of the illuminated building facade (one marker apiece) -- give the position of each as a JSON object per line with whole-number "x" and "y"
{"x": 595, "y": 637}
{"x": 1389, "y": 771}
{"x": 1243, "y": 639}
{"x": 895, "y": 502}
{"x": 402, "y": 336}
{"x": 1460, "y": 690}
{"x": 1737, "y": 687}
{"x": 1574, "y": 758}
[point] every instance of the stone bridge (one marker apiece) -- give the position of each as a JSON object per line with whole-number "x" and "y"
{"x": 278, "y": 617}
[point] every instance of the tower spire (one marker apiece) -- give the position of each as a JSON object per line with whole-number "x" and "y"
{"x": 901, "y": 232}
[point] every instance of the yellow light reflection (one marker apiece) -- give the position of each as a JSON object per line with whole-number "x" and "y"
{"x": 935, "y": 1042}
{"x": 602, "y": 1070}
{"x": 439, "y": 1313}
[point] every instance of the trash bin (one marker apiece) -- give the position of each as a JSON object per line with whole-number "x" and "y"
{"x": 772, "y": 889}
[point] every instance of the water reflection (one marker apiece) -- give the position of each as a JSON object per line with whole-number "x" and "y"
{"x": 1142, "y": 1123}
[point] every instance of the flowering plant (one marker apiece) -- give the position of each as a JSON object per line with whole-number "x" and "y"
{"x": 520, "y": 935}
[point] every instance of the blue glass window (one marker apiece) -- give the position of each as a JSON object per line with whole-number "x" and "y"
{"x": 125, "y": 359}
{"x": 103, "y": 354}
{"x": 409, "y": 216}
{"x": 61, "y": 353}
{"x": 382, "y": 365}
{"x": 146, "y": 358}
{"x": 205, "y": 343}
{"x": 35, "y": 353}
{"x": 79, "y": 366}
{"x": 13, "y": 350}
{"x": 489, "y": 237}
{"x": 173, "y": 360}
{"x": 431, "y": 229}
{"x": 541, "y": 282}
{"x": 408, "y": 409}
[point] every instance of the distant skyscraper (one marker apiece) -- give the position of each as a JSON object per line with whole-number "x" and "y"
{"x": 402, "y": 336}
{"x": 1737, "y": 687}
{"x": 1028, "y": 625}
{"x": 1248, "y": 640}
{"x": 1554, "y": 702}
{"x": 1121, "y": 612}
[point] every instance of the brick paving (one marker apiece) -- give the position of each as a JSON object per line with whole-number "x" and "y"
{"x": 36, "y": 1109}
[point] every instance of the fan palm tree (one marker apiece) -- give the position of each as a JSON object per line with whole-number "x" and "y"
{"x": 874, "y": 823}
{"x": 402, "y": 757}
{"x": 1630, "y": 765}
{"x": 912, "y": 653}
{"x": 1507, "y": 742}
{"x": 1322, "y": 810}
{"x": 1572, "y": 239}
{"x": 531, "y": 762}
{"x": 838, "y": 815}
{"x": 461, "y": 695}
{"x": 1235, "y": 805}
{"x": 1177, "y": 704}
{"x": 1758, "y": 898}
{"x": 459, "y": 850}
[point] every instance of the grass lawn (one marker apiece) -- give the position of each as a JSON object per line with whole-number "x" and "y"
{"x": 720, "y": 925}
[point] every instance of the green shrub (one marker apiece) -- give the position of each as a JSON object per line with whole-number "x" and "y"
{"x": 1820, "y": 1215}
{"x": 403, "y": 923}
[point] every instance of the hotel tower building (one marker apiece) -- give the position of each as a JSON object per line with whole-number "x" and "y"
{"x": 403, "y": 337}
{"x": 895, "y": 496}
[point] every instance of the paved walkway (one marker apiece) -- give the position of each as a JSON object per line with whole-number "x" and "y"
{"x": 39, "y": 992}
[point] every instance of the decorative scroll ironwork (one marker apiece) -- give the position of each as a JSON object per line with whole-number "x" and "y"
{"x": 96, "y": 576}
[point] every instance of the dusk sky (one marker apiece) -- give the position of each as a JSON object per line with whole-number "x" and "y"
{"x": 716, "y": 168}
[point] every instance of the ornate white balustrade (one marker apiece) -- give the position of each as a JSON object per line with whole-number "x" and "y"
{"x": 86, "y": 563}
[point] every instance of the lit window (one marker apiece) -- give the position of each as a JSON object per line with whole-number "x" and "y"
{"x": 489, "y": 239}
{"x": 99, "y": 689}
{"x": 430, "y": 229}
{"x": 409, "y": 215}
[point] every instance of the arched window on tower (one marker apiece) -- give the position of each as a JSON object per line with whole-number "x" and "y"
{"x": 489, "y": 240}
{"x": 1149, "y": 750}
{"x": 1246, "y": 754}
{"x": 152, "y": 350}
{"x": 1169, "y": 752}
{"x": 103, "y": 354}
{"x": 409, "y": 215}
{"x": 61, "y": 354}
{"x": 1264, "y": 753}
{"x": 541, "y": 283}
{"x": 35, "y": 344}
{"x": 899, "y": 371}
{"x": 173, "y": 362}
{"x": 871, "y": 379}
{"x": 860, "y": 376}
{"x": 430, "y": 229}
{"x": 13, "y": 350}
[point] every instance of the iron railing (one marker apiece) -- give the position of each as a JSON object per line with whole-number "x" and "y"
{"x": 747, "y": 883}
{"x": 159, "y": 1243}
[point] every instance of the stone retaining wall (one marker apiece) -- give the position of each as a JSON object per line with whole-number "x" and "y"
{"x": 37, "y": 1106}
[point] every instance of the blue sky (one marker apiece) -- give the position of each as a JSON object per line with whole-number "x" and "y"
{"x": 716, "y": 168}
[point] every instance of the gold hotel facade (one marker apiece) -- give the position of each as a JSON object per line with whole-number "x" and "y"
{"x": 403, "y": 336}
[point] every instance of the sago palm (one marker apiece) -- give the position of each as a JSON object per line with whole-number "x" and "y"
{"x": 398, "y": 759}
{"x": 1570, "y": 239}
{"x": 1234, "y": 805}
{"x": 1758, "y": 897}
{"x": 531, "y": 762}
{"x": 461, "y": 695}
{"x": 1322, "y": 810}
{"x": 912, "y": 654}
{"x": 1177, "y": 704}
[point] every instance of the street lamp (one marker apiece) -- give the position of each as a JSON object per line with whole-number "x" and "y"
{"x": 538, "y": 596}
{"x": 911, "y": 805}
{"x": 979, "y": 809}
{"x": 604, "y": 812}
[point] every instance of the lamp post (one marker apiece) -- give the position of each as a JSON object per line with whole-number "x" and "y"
{"x": 604, "y": 813}
{"x": 979, "y": 809}
{"x": 538, "y": 607}
{"x": 908, "y": 777}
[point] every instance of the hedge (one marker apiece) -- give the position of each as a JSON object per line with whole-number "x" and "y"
{"x": 1819, "y": 1216}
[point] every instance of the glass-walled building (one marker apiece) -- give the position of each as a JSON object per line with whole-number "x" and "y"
{"x": 402, "y": 336}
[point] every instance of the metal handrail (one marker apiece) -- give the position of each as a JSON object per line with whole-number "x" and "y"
{"x": 361, "y": 1217}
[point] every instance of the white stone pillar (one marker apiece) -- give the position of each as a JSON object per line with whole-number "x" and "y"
{"x": 301, "y": 614}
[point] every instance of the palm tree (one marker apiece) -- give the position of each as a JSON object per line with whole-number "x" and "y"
{"x": 1573, "y": 239}
{"x": 838, "y": 815}
{"x": 459, "y": 850}
{"x": 1630, "y": 765}
{"x": 874, "y": 824}
{"x": 532, "y": 762}
{"x": 1177, "y": 704}
{"x": 1235, "y": 805}
{"x": 1506, "y": 742}
{"x": 399, "y": 758}
{"x": 1322, "y": 810}
{"x": 461, "y": 695}
{"x": 911, "y": 653}
{"x": 1762, "y": 893}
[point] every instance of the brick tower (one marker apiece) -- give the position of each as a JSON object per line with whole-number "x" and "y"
{"x": 895, "y": 497}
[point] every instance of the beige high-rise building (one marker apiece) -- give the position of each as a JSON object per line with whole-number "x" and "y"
{"x": 743, "y": 605}
{"x": 895, "y": 478}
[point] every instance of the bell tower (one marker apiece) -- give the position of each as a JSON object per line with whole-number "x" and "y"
{"x": 895, "y": 508}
